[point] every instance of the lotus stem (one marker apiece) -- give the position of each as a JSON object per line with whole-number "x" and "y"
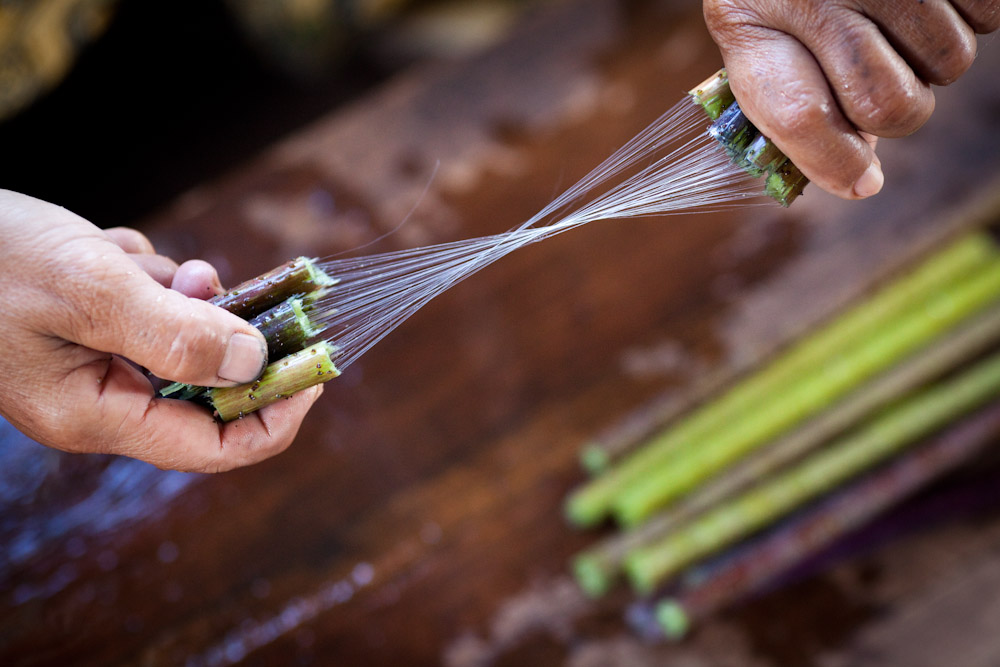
{"x": 297, "y": 277}
{"x": 591, "y": 503}
{"x": 287, "y": 327}
{"x": 713, "y": 94}
{"x": 809, "y": 394}
{"x": 281, "y": 379}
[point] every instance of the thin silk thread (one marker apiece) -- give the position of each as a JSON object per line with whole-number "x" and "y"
{"x": 671, "y": 167}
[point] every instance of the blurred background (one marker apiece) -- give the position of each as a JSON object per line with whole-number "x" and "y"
{"x": 419, "y": 518}
{"x": 185, "y": 90}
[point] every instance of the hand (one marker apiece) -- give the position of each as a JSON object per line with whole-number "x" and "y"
{"x": 825, "y": 78}
{"x": 80, "y": 304}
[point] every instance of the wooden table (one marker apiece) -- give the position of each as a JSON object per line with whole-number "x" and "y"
{"x": 417, "y": 518}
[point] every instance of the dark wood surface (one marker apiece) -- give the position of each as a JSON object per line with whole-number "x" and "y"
{"x": 417, "y": 518}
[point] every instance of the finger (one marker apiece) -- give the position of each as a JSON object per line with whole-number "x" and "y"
{"x": 130, "y": 240}
{"x": 933, "y": 38}
{"x": 123, "y": 311}
{"x": 872, "y": 141}
{"x": 198, "y": 279}
{"x": 982, "y": 15}
{"x": 784, "y": 93}
{"x": 159, "y": 268}
{"x": 115, "y": 408}
{"x": 874, "y": 87}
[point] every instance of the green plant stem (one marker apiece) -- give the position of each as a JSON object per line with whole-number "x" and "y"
{"x": 766, "y": 560}
{"x": 287, "y": 327}
{"x": 590, "y": 503}
{"x": 281, "y": 379}
{"x": 610, "y": 445}
{"x": 597, "y": 567}
{"x": 809, "y": 394}
{"x": 713, "y": 94}
{"x": 886, "y": 435}
{"x": 299, "y": 276}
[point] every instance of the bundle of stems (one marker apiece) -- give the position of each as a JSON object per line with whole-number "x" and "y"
{"x": 885, "y": 435}
{"x": 744, "y": 143}
{"x": 765, "y": 561}
{"x": 597, "y": 567}
{"x": 965, "y": 261}
{"x": 809, "y": 395}
{"x": 609, "y": 446}
{"x": 278, "y": 304}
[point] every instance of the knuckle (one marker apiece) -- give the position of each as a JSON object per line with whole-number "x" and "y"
{"x": 130, "y": 240}
{"x": 983, "y": 15}
{"x": 799, "y": 116}
{"x": 724, "y": 17}
{"x": 892, "y": 111}
{"x": 952, "y": 59}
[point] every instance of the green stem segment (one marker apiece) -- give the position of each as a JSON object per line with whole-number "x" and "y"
{"x": 306, "y": 368}
{"x": 287, "y": 327}
{"x": 713, "y": 94}
{"x": 591, "y": 503}
{"x": 886, "y": 435}
{"x": 299, "y": 276}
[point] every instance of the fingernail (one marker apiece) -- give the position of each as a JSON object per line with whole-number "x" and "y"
{"x": 245, "y": 359}
{"x": 870, "y": 182}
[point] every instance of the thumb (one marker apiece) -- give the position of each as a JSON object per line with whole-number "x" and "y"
{"x": 176, "y": 337}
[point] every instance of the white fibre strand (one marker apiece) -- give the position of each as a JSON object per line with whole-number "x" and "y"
{"x": 670, "y": 167}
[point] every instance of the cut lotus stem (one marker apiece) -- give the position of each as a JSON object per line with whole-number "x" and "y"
{"x": 591, "y": 503}
{"x": 299, "y": 276}
{"x": 809, "y": 395}
{"x": 735, "y": 132}
{"x": 713, "y": 94}
{"x": 762, "y": 156}
{"x": 287, "y": 327}
{"x": 886, "y": 435}
{"x": 785, "y": 183}
{"x": 311, "y": 366}
{"x": 766, "y": 560}
{"x": 597, "y": 568}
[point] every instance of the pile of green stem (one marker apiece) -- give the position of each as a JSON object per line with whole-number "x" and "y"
{"x": 851, "y": 401}
{"x": 279, "y": 304}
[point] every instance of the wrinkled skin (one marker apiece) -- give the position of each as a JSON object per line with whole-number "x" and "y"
{"x": 825, "y": 78}
{"x": 80, "y": 304}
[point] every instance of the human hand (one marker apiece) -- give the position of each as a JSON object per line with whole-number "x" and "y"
{"x": 79, "y": 304}
{"x": 824, "y": 79}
